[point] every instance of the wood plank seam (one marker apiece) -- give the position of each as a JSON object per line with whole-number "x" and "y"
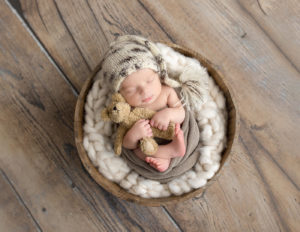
{"x": 2, "y": 173}
{"x": 90, "y": 203}
{"x": 42, "y": 47}
{"x": 154, "y": 19}
{"x": 259, "y": 5}
{"x": 71, "y": 35}
{"x": 171, "y": 218}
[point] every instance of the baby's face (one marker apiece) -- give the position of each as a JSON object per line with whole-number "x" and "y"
{"x": 141, "y": 88}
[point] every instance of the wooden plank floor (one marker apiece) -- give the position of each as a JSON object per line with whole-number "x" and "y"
{"x": 47, "y": 50}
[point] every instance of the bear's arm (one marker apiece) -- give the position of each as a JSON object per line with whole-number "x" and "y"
{"x": 121, "y": 131}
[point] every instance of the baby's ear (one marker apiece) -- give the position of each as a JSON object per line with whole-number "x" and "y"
{"x": 104, "y": 115}
{"x": 117, "y": 97}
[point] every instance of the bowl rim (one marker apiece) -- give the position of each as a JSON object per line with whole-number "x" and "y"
{"x": 232, "y": 131}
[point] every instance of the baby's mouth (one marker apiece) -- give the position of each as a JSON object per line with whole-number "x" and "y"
{"x": 147, "y": 99}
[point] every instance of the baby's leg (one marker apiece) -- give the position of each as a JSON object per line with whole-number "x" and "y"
{"x": 162, "y": 158}
{"x": 174, "y": 149}
{"x": 139, "y": 154}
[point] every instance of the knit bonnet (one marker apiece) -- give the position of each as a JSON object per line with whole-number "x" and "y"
{"x": 128, "y": 54}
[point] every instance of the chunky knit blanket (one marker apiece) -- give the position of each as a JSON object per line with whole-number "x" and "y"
{"x": 202, "y": 99}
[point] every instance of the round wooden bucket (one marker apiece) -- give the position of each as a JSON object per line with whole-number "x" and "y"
{"x": 115, "y": 189}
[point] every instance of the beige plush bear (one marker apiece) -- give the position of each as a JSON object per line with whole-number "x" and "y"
{"x": 119, "y": 111}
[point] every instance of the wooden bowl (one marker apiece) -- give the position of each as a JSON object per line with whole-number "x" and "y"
{"x": 115, "y": 189}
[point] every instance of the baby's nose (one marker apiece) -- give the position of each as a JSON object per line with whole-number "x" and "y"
{"x": 143, "y": 90}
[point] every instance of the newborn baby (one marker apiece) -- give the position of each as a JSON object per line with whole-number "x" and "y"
{"x": 144, "y": 89}
{"x": 134, "y": 67}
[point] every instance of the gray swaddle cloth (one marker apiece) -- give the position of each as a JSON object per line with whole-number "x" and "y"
{"x": 178, "y": 165}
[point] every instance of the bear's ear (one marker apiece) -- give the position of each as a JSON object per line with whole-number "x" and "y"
{"x": 117, "y": 97}
{"x": 104, "y": 114}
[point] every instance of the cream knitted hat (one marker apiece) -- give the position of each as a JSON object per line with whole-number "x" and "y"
{"x": 128, "y": 54}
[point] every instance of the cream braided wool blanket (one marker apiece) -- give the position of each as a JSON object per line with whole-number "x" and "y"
{"x": 210, "y": 115}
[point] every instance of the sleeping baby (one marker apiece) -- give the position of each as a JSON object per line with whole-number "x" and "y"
{"x": 134, "y": 67}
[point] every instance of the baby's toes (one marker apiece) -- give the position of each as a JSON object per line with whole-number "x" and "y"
{"x": 152, "y": 162}
{"x": 155, "y": 163}
{"x": 149, "y": 159}
{"x": 162, "y": 167}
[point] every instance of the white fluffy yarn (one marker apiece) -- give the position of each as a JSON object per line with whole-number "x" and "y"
{"x": 211, "y": 117}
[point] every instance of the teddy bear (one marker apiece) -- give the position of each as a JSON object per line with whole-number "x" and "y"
{"x": 119, "y": 111}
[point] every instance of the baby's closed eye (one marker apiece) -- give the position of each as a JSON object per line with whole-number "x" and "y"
{"x": 129, "y": 91}
{"x": 150, "y": 80}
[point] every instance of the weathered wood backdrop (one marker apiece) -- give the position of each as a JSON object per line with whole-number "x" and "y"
{"x": 49, "y": 47}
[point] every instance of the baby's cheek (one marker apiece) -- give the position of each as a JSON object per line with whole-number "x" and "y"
{"x": 127, "y": 97}
{"x": 133, "y": 101}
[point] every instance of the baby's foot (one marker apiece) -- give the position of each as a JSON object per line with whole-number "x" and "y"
{"x": 178, "y": 142}
{"x": 158, "y": 163}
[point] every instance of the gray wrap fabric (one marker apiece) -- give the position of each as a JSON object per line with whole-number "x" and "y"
{"x": 178, "y": 165}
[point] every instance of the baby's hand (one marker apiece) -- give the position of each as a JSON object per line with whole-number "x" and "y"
{"x": 141, "y": 129}
{"x": 161, "y": 119}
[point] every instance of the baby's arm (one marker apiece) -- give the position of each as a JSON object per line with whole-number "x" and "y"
{"x": 138, "y": 131}
{"x": 174, "y": 113}
{"x": 176, "y": 108}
